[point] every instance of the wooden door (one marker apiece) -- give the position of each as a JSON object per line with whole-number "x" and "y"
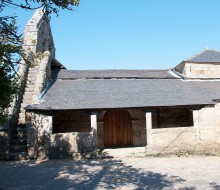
{"x": 117, "y": 129}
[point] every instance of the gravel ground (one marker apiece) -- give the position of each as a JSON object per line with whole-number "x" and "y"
{"x": 194, "y": 172}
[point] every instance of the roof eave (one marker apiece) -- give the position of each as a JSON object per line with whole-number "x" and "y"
{"x": 107, "y": 108}
{"x": 56, "y": 63}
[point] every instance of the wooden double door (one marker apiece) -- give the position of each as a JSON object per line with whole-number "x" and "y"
{"x": 117, "y": 129}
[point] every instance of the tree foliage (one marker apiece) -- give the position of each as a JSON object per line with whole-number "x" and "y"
{"x": 51, "y": 6}
{"x": 11, "y": 50}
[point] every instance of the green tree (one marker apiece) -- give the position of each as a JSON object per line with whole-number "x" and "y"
{"x": 11, "y": 50}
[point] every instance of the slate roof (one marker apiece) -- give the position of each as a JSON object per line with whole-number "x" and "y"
{"x": 206, "y": 56}
{"x": 127, "y": 93}
{"x": 107, "y": 74}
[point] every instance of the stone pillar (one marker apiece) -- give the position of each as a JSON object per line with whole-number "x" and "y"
{"x": 93, "y": 119}
{"x": 196, "y": 121}
{"x": 148, "y": 126}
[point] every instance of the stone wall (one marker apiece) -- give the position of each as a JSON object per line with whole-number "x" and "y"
{"x": 34, "y": 77}
{"x": 37, "y": 79}
{"x": 43, "y": 143}
{"x": 199, "y": 70}
{"x": 204, "y": 136}
{"x": 205, "y": 70}
{"x": 171, "y": 139}
{"x": 56, "y": 137}
{"x": 37, "y": 35}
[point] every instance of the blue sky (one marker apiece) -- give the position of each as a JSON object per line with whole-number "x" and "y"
{"x": 126, "y": 34}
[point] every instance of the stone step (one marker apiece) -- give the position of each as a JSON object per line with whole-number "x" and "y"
{"x": 19, "y": 132}
{"x": 19, "y": 141}
{"x": 20, "y": 129}
{"x": 19, "y": 136}
{"x": 21, "y": 126}
{"x": 18, "y": 148}
{"x": 18, "y": 156}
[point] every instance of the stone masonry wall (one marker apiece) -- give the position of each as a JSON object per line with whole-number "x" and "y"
{"x": 202, "y": 70}
{"x": 37, "y": 38}
{"x": 33, "y": 78}
{"x": 168, "y": 140}
{"x": 37, "y": 35}
{"x": 202, "y": 137}
{"x": 42, "y": 143}
{"x": 38, "y": 77}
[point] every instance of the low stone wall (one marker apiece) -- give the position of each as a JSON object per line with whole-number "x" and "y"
{"x": 171, "y": 139}
{"x": 42, "y": 143}
{"x": 203, "y": 137}
{"x": 70, "y": 145}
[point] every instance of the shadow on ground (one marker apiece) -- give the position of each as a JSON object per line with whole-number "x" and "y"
{"x": 86, "y": 174}
{"x": 215, "y": 186}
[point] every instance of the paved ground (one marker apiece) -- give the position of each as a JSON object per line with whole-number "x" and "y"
{"x": 118, "y": 173}
{"x": 123, "y": 152}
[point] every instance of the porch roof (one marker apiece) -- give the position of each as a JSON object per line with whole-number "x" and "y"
{"x": 126, "y": 93}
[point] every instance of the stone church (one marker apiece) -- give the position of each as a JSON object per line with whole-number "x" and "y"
{"x": 72, "y": 113}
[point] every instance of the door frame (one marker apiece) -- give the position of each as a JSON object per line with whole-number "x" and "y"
{"x": 122, "y": 125}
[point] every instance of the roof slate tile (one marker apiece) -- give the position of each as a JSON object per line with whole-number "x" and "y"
{"x": 127, "y": 93}
{"x": 206, "y": 56}
{"x": 106, "y": 74}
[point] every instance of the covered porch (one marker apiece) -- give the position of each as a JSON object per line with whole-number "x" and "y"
{"x": 75, "y": 133}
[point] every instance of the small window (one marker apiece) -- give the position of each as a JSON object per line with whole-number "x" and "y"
{"x": 71, "y": 121}
{"x": 173, "y": 117}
